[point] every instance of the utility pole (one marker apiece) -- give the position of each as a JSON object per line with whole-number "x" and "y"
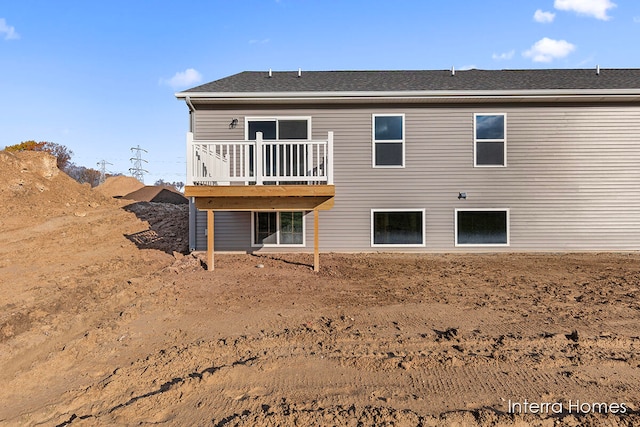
{"x": 136, "y": 171}
{"x": 103, "y": 169}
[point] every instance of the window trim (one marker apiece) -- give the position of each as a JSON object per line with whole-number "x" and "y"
{"x": 276, "y": 119}
{"x": 374, "y": 141}
{"x": 278, "y": 244}
{"x": 475, "y": 141}
{"x": 482, "y": 245}
{"x": 403, "y": 245}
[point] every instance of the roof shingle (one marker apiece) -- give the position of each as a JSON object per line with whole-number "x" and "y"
{"x": 427, "y": 80}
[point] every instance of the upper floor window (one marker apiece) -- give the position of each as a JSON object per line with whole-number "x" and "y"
{"x": 284, "y": 160}
{"x": 279, "y": 128}
{"x": 490, "y": 139}
{"x": 388, "y": 140}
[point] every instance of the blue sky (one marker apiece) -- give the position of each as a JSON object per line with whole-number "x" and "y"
{"x": 100, "y": 76}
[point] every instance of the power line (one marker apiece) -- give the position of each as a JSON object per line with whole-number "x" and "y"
{"x": 137, "y": 171}
{"x": 103, "y": 169}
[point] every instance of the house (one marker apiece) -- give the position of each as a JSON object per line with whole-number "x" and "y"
{"x": 427, "y": 161}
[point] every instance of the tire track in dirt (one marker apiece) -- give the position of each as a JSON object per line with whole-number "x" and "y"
{"x": 330, "y": 358}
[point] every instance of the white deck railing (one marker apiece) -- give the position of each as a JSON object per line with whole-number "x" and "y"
{"x": 259, "y": 162}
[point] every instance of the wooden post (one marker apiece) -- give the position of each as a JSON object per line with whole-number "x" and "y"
{"x": 329, "y": 159}
{"x": 316, "y": 240}
{"x": 258, "y": 169}
{"x": 210, "y": 240}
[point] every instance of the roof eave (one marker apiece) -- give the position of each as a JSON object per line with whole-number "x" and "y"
{"x": 552, "y": 95}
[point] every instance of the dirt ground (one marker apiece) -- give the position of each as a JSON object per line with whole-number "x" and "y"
{"x": 106, "y": 320}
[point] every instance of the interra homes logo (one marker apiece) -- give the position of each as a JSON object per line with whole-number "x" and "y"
{"x": 569, "y": 407}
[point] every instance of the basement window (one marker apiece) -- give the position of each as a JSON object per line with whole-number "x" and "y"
{"x": 388, "y": 140}
{"x": 482, "y": 227}
{"x": 399, "y": 228}
{"x": 490, "y": 139}
{"x": 278, "y": 229}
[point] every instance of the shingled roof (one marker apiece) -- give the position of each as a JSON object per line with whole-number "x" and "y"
{"x": 428, "y": 80}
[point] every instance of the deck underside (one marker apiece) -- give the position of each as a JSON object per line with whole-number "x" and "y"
{"x": 262, "y": 197}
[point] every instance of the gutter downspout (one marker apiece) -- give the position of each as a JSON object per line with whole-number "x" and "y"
{"x": 188, "y": 99}
{"x": 192, "y": 110}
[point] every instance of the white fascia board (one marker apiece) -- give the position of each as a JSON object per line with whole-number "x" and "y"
{"x": 479, "y": 95}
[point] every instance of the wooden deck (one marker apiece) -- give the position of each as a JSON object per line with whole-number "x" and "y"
{"x": 272, "y": 175}
{"x": 262, "y": 197}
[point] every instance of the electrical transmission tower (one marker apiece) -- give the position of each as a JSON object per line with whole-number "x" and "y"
{"x": 137, "y": 171}
{"x": 103, "y": 169}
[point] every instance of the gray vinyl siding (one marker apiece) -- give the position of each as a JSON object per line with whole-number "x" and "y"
{"x": 232, "y": 233}
{"x": 572, "y": 180}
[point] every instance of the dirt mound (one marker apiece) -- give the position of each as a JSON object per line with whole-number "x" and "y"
{"x": 118, "y": 186}
{"x": 31, "y": 186}
{"x": 40, "y": 163}
{"x": 157, "y": 194}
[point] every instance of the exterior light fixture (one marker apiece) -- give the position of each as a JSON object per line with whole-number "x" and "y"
{"x": 462, "y": 196}
{"x": 233, "y": 124}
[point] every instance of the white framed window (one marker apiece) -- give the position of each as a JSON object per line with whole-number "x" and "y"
{"x": 397, "y": 227}
{"x": 271, "y": 228}
{"x": 285, "y": 127}
{"x": 288, "y": 159}
{"x": 388, "y": 140}
{"x": 490, "y": 140}
{"x": 482, "y": 227}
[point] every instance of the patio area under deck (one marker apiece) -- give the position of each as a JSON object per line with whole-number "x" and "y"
{"x": 260, "y": 175}
{"x": 262, "y": 198}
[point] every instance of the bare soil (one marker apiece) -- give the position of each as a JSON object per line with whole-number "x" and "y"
{"x": 118, "y": 186}
{"x": 106, "y": 320}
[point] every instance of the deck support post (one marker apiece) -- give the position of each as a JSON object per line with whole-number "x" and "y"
{"x": 316, "y": 240}
{"x": 210, "y": 247}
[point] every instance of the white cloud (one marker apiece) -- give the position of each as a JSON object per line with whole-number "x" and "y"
{"x": 595, "y": 8}
{"x": 181, "y": 79}
{"x": 503, "y": 56}
{"x": 8, "y": 31}
{"x": 587, "y": 62}
{"x": 543, "y": 17}
{"x": 546, "y": 50}
{"x": 263, "y": 41}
